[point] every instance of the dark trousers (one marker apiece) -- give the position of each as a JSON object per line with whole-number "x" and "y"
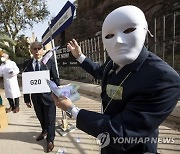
{"x": 13, "y": 102}
{"x": 46, "y": 115}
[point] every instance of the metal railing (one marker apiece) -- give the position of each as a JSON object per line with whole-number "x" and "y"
{"x": 93, "y": 49}
{"x": 166, "y": 40}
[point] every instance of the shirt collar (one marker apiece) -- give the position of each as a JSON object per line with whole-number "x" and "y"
{"x": 39, "y": 60}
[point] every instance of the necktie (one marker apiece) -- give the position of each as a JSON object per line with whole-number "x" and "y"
{"x": 37, "y": 66}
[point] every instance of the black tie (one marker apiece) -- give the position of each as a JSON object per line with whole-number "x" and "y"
{"x": 37, "y": 66}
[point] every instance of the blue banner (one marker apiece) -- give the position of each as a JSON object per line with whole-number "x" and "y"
{"x": 59, "y": 23}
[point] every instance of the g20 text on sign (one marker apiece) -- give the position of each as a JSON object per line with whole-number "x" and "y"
{"x": 35, "y": 82}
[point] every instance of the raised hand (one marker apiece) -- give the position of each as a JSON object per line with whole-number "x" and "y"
{"x": 75, "y": 49}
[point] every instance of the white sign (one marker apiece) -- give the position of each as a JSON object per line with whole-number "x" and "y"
{"x": 35, "y": 82}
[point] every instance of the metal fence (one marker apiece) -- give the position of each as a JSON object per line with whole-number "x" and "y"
{"x": 93, "y": 49}
{"x": 164, "y": 43}
{"x": 166, "y": 40}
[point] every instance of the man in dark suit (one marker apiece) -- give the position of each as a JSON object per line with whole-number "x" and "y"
{"x": 139, "y": 90}
{"x": 43, "y": 104}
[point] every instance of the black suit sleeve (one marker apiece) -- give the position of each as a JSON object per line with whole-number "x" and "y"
{"x": 142, "y": 115}
{"x": 26, "y": 67}
{"x": 94, "y": 68}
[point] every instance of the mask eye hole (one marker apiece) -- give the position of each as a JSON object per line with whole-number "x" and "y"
{"x": 129, "y": 30}
{"x": 109, "y": 36}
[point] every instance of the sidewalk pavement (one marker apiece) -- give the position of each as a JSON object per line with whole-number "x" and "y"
{"x": 19, "y": 136}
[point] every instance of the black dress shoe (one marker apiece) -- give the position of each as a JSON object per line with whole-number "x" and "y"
{"x": 41, "y": 136}
{"x": 50, "y": 146}
{"x": 9, "y": 109}
{"x": 16, "y": 110}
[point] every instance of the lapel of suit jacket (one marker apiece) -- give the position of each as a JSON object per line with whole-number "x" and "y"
{"x": 44, "y": 66}
{"x": 30, "y": 66}
{"x": 107, "y": 68}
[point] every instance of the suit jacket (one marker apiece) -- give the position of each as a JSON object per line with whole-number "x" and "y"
{"x": 149, "y": 94}
{"x": 50, "y": 65}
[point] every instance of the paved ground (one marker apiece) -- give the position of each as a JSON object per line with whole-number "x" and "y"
{"x": 19, "y": 136}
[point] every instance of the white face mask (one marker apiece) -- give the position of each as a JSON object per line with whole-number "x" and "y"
{"x": 3, "y": 59}
{"x": 123, "y": 33}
